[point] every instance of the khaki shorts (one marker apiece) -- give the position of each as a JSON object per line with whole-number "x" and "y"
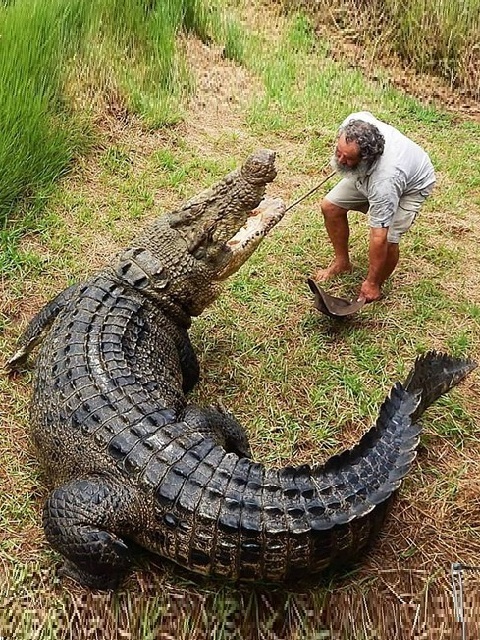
{"x": 346, "y": 195}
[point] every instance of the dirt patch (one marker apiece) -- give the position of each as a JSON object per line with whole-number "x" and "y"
{"x": 218, "y": 108}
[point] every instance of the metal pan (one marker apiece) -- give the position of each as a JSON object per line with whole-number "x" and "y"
{"x": 333, "y": 306}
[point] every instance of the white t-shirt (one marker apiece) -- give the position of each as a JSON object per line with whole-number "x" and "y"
{"x": 403, "y": 168}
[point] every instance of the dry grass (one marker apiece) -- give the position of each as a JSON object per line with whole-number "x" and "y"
{"x": 262, "y": 347}
{"x": 428, "y": 52}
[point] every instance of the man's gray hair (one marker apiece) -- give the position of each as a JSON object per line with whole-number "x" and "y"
{"x": 368, "y": 137}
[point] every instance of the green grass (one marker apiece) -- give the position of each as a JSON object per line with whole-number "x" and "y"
{"x": 58, "y": 58}
{"x": 303, "y": 385}
{"x": 38, "y": 140}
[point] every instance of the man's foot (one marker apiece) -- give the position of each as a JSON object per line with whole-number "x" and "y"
{"x": 370, "y": 292}
{"x": 335, "y": 269}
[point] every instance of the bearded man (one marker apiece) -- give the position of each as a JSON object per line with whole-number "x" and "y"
{"x": 384, "y": 174}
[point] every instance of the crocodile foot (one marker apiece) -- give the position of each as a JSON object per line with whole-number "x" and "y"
{"x": 81, "y": 519}
{"x": 103, "y": 582}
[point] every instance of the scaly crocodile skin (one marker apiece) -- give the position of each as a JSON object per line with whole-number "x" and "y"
{"x": 132, "y": 462}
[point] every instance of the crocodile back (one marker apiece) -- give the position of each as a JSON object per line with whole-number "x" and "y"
{"x": 107, "y": 376}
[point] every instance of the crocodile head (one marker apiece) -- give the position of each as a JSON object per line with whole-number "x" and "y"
{"x": 184, "y": 255}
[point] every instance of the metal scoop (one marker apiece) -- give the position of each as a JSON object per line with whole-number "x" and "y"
{"x": 331, "y": 305}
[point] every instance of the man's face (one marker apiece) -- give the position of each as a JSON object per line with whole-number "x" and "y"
{"x": 347, "y": 160}
{"x": 347, "y": 153}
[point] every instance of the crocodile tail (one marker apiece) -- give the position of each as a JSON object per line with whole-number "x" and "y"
{"x": 315, "y": 519}
{"x": 389, "y": 447}
{"x": 434, "y": 374}
{"x": 353, "y": 491}
{"x": 376, "y": 465}
{"x": 281, "y": 524}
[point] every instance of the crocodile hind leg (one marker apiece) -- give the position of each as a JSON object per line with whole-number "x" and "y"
{"x": 80, "y": 520}
{"x": 39, "y": 326}
{"x": 219, "y": 424}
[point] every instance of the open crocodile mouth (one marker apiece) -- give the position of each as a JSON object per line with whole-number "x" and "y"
{"x": 241, "y": 246}
{"x": 259, "y": 222}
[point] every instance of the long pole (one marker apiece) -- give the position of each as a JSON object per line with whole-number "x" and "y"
{"x": 294, "y": 204}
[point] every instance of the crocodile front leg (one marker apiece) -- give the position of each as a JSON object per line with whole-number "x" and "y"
{"x": 39, "y": 327}
{"x": 188, "y": 363}
{"x": 80, "y": 520}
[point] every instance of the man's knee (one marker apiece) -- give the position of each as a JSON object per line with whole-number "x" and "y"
{"x": 331, "y": 210}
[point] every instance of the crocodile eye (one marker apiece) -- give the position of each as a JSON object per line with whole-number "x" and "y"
{"x": 160, "y": 278}
{"x": 160, "y": 283}
{"x": 200, "y": 253}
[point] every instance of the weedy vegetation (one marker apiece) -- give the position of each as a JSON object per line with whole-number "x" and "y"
{"x": 430, "y": 36}
{"x": 114, "y": 112}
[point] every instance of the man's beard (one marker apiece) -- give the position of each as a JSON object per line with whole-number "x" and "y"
{"x": 359, "y": 171}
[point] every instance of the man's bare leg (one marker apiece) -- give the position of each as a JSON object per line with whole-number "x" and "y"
{"x": 336, "y": 224}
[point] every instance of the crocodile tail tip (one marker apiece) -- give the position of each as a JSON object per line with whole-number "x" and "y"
{"x": 435, "y": 373}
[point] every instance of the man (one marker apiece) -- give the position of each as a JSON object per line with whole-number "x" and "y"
{"x": 384, "y": 174}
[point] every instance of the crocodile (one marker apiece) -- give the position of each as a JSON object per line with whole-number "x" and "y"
{"x": 133, "y": 463}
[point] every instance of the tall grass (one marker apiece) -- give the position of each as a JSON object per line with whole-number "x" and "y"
{"x": 436, "y": 36}
{"x": 57, "y": 57}
{"x": 36, "y": 144}
{"x": 131, "y": 59}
